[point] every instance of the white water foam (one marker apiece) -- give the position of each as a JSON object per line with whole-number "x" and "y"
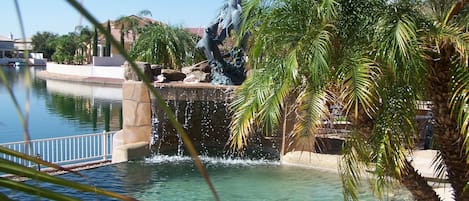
{"x": 212, "y": 160}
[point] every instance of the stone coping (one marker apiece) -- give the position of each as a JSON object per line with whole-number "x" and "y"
{"x": 200, "y": 85}
{"x": 118, "y": 82}
{"x": 81, "y": 79}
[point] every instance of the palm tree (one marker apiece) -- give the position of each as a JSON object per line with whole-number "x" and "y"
{"x": 85, "y": 37}
{"x": 171, "y": 46}
{"x": 306, "y": 54}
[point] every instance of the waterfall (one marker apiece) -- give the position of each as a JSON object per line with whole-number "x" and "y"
{"x": 205, "y": 116}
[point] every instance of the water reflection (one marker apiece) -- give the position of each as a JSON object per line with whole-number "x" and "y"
{"x": 57, "y": 108}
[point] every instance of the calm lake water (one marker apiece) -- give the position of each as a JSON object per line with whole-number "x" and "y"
{"x": 57, "y": 108}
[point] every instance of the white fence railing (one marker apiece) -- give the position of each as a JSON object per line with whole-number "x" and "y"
{"x": 64, "y": 150}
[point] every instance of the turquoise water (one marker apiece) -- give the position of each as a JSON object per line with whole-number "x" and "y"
{"x": 174, "y": 178}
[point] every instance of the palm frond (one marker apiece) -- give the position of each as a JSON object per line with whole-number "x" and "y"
{"x": 356, "y": 160}
{"x": 258, "y": 103}
{"x": 16, "y": 169}
{"x": 398, "y": 46}
{"x": 33, "y": 190}
{"x": 316, "y": 55}
{"x": 460, "y": 99}
{"x": 438, "y": 165}
{"x": 310, "y": 111}
{"x": 157, "y": 44}
{"x": 254, "y": 13}
{"x": 358, "y": 76}
{"x": 453, "y": 35}
{"x": 392, "y": 136}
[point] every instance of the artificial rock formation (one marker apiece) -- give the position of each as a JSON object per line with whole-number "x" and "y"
{"x": 133, "y": 141}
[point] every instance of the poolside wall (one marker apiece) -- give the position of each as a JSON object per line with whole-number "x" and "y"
{"x": 133, "y": 141}
{"x": 87, "y": 70}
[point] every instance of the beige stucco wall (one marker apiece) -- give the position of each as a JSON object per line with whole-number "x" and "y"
{"x": 133, "y": 141}
{"x": 87, "y": 70}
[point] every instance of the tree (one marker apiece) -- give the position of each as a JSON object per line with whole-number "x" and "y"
{"x": 95, "y": 43}
{"x": 66, "y": 46}
{"x": 170, "y": 46}
{"x": 304, "y": 56}
{"x": 84, "y": 44}
{"x": 131, "y": 24}
{"x": 108, "y": 43}
{"x": 44, "y": 42}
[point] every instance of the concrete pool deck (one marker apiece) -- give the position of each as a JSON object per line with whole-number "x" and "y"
{"x": 422, "y": 159}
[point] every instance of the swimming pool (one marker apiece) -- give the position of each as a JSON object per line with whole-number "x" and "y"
{"x": 175, "y": 178}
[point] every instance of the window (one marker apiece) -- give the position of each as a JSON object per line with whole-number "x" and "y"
{"x": 8, "y": 54}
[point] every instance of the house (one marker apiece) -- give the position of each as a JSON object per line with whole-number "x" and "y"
{"x": 197, "y": 31}
{"x": 128, "y": 38}
{"x": 12, "y": 50}
{"x": 7, "y": 49}
{"x": 22, "y": 45}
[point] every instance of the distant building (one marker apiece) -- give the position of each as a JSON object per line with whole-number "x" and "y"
{"x": 129, "y": 37}
{"x": 6, "y": 47}
{"x": 21, "y": 45}
{"x": 12, "y": 50}
{"x": 197, "y": 31}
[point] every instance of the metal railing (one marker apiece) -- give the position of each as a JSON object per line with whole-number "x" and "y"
{"x": 64, "y": 150}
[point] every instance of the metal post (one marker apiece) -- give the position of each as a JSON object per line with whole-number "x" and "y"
{"x": 104, "y": 145}
{"x": 38, "y": 156}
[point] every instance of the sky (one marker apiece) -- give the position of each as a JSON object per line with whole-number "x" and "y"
{"x": 57, "y": 16}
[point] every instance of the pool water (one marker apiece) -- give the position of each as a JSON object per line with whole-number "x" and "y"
{"x": 175, "y": 178}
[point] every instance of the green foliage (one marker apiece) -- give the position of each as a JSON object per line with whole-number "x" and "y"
{"x": 376, "y": 58}
{"x": 95, "y": 42}
{"x": 171, "y": 46}
{"x": 290, "y": 52}
{"x": 44, "y": 42}
{"x": 66, "y": 46}
{"x": 108, "y": 42}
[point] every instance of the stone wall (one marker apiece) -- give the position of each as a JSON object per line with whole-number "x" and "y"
{"x": 136, "y": 111}
{"x": 133, "y": 141}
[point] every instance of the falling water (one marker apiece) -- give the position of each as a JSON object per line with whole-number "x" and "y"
{"x": 205, "y": 116}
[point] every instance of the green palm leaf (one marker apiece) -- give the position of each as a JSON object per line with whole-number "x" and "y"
{"x": 311, "y": 109}
{"x": 16, "y": 169}
{"x": 460, "y": 99}
{"x": 358, "y": 77}
{"x": 356, "y": 160}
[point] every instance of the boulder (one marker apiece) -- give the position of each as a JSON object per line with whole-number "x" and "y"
{"x": 130, "y": 74}
{"x": 201, "y": 66}
{"x": 197, "y": 76}
{"x": 173, "y": 75}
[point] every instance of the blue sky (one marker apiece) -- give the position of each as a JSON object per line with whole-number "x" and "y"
{"x": 59, "y": 17}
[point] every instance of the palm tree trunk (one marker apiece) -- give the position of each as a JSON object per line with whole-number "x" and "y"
{"x": 446, "y": 133}
{"x": 417, "y": 184}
